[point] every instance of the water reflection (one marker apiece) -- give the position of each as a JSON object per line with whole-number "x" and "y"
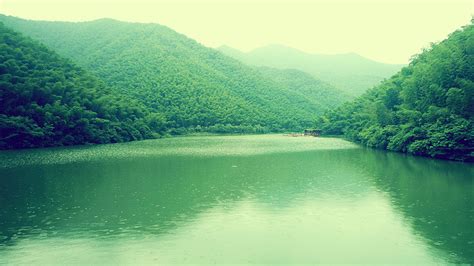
{"x": 435, "y": 197}
{"x": 298, "y": 206}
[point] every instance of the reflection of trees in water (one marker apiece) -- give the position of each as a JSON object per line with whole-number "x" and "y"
{"x": 154, "y": 195}
{"x": 435, "y": 197}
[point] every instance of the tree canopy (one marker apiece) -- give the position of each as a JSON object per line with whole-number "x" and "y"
{"x": 46, "y": 100}
{"x": 195, "y": 88}
{"x": 426, "y": 109}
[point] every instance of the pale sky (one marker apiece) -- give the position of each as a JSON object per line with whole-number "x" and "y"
{"x": 389, "y": 31}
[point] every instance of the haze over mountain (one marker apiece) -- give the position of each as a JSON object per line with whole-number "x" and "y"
{"x": 161, "y": 82}
{"x": 190, "y": 87}
{"x": 350, "y": 72}
{"x": 46, "y": 100}
{"x": 306, "y": 85}
{"x": 425, "y": 109}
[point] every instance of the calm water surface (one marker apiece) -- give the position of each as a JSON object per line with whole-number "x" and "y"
{"x": 233, "y": 199}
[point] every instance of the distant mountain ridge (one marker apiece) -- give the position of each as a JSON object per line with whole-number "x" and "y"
{"x": 194, "y": 87}
{"x": 306, "y": 85}
{"x": 349, "y": 72}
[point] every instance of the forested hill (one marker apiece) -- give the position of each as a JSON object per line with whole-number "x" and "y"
{"x": 196, "y": 88}
{"x": 350, "y": 72}
{"x": 307, "y": 86}
{"x": 48, "y": 101}
{"x": 426, "y": 109}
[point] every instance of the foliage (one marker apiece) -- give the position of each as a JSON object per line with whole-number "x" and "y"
{"x": 48, "y": 101}
{"x": 426, "y": 109}
{"x": 350, "y": 73}
{"x": 195, "y": 88}
{"x": 319, "y": 93}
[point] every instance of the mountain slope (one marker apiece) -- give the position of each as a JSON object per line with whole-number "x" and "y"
{"x": 351, "y": 73}
{"x": 193, "y": 86}
{"x": 319, "y": 93}
{"x": 46, "y": 100}
{"x": 426, "y": 109}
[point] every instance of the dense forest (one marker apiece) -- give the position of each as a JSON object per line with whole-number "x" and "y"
{"x": 109, "y": 81}
{"x": 196, "y": 88}
{"x": 46, "y": 100}
{"x": 307, "y": 86}
{"x": 426, "y": 109}
{"x": 350, "y": 73}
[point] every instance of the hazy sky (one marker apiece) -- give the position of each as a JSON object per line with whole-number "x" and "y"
{"x": 384, "y": 30}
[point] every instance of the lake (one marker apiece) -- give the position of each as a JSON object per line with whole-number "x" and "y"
{"x": 233, "y": 199}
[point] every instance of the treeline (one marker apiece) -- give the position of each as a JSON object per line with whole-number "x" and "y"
{"x": 426, "y": 109}
{"x": 195, "y": 88}
{"x": 46, "y": 100}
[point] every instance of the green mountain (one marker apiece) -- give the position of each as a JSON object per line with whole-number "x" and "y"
{"x": 46, "y": 100}
{"x": 426, "y": 109}
{"x": 350, "y": 72}
{"x": 194, "y": 87}
{"x": 321, "y": 94}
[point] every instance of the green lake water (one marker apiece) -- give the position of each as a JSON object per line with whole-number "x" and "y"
{"x": 233, "y": 199}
